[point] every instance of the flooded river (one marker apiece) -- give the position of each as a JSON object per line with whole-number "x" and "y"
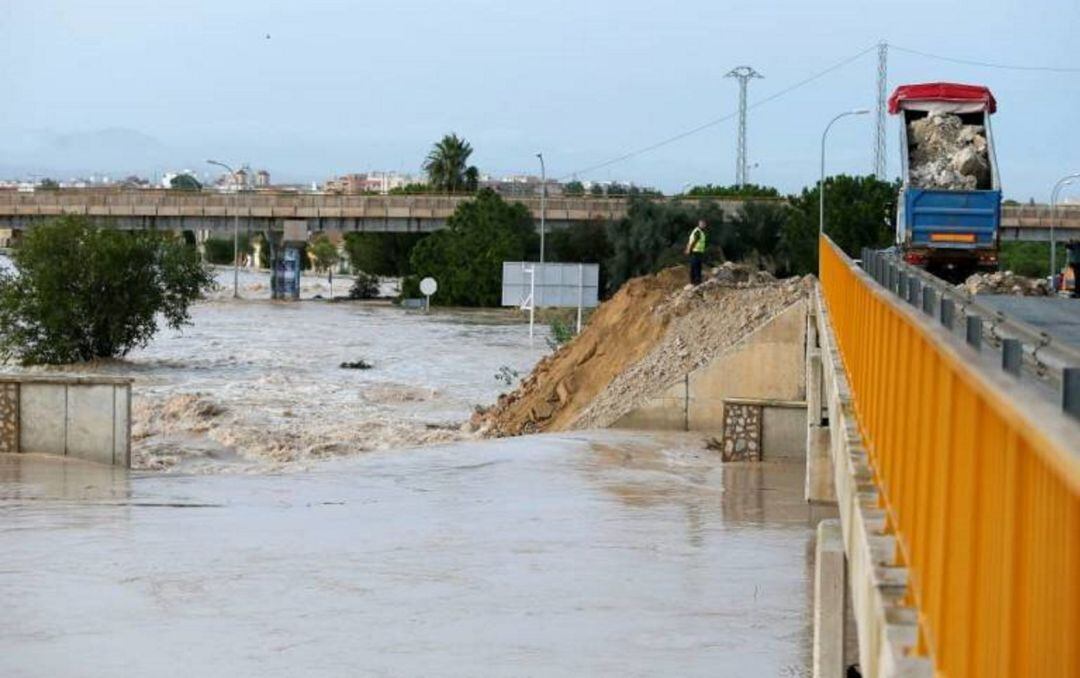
{"x": 395, "y": 546}
{"x": 254, "y": 385}
{"x": 602, "y": 554}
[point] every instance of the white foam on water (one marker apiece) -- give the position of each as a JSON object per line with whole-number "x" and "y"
{"x": 255, "y": 385}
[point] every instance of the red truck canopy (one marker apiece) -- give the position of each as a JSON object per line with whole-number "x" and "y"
{"x": 942, "y": 97}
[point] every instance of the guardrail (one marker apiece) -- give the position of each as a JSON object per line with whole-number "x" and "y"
{"x": 980, "y": 485}
{"x": 1021, "y": 350}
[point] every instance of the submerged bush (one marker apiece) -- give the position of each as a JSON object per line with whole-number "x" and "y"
{"x": 365, "y": 286}
{"x": 80, "y": 293}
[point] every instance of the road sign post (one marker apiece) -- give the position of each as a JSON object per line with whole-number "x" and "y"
{"x": 428, "y": 287}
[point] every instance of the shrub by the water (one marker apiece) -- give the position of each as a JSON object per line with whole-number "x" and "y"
{"x": 365, "y": 286}
{"x": 80, "y": 293}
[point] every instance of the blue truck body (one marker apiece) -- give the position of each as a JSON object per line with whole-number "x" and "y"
{"x": 950, "y": 219}
{"x": 953, "y": 231}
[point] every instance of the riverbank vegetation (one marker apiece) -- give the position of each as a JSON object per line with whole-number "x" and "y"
{"x": 80, "y": 293}
{"x": 778, "y": 235}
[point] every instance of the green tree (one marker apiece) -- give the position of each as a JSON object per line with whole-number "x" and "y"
{"x": 323, "y": 253}
{"x": 573, "y": 188}
{"x": 466, "y": 257}
{"x": 47, "y": 184}
{"x": 652, "y": 236}
{"x": 365, "y": 286}
{"x": 410, "y": 189}
{"x": 858, "y": 213}
{"x": 81, "y": 293}
{"x": 583, "y": 242}
{"x": 448, "y": 167}
{"x": 758, "y": 226}
{"x": 185, "y": 182}
{"x": 381, "y": 253}
{"x": 1031, "y": 259}
{"x": 744, "y": 191}
{"x": 220, "y": 250}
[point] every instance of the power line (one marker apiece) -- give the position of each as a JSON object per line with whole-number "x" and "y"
{"x": 986, "y": 64}
{"x": 723, "y": 118}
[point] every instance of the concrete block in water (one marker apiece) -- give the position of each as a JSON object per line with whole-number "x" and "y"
{"x": 43, "y": 418}
{"x": 91, "y": 434}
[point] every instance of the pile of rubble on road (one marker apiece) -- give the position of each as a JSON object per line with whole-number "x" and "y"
{"x": 650, "y": 333}
{"x": 947, "y": 154}
{"x": 1006, "y": 282}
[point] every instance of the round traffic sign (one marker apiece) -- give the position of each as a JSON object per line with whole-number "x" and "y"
{"x": 428, "y": 286}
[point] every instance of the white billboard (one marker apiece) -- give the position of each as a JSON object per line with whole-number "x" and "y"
{"x": 555, "y": 284}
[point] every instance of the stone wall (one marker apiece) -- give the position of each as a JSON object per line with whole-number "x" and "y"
{"x": 9, "y": 418}
{"x": 75, "y": 416}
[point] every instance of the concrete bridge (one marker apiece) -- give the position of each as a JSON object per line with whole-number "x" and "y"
{"x": 957, "y": 481}
{"x": 259, "y": 210}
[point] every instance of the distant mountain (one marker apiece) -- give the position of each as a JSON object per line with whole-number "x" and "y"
{"x": 114, "y": 150}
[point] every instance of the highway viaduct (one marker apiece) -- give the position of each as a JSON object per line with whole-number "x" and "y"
{"x": 259, "y": 210}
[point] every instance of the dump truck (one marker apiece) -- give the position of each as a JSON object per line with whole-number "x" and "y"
{"x": 949, "y": 207}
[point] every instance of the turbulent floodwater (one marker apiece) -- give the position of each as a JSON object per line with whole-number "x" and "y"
{"x": 256, "y": 385}
{"x": 599, "y": 554}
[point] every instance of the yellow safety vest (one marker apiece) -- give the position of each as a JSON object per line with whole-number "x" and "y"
{"x": 698, "y": 246}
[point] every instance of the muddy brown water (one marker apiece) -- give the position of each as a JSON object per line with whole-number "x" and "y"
{"x": 600, "y": 554}
{"x": 253, "y": 385}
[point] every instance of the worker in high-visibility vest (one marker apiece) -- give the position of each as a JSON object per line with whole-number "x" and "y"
{"x": 695, "y": 248}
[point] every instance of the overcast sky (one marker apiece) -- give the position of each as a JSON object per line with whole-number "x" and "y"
{"x": 154, "y": 85}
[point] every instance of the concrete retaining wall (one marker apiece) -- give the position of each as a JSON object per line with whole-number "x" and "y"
{"x": 767, "y": 367}
{"x": 887, "y": 628}
{"x": 74, "y": 416}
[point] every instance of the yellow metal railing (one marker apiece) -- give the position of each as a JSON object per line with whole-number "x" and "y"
{"x": 984, "y": 501}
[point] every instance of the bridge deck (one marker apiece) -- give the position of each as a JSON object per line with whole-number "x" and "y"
{"x": 1058, "y": 317}
{"x": 153, "y": 208}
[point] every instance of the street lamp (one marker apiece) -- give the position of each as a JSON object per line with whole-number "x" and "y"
{"x": 543, "y": 202}
{"x": 1062, "y": 183}
{"x": 821, "y": 184}
{"x": 236, "y": 230}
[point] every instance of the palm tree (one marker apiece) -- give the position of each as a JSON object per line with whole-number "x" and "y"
{"x": 448, "y": 168}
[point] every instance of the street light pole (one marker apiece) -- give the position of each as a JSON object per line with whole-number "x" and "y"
{"x": 1062, "y": 183}
{"x": 821, "y": 183}
{"x": 236, "y": 230}
{"x": 543, "y": 203}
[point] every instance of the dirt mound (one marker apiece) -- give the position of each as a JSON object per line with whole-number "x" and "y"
{"x": 1006, "y": 282}
{"x": 708, "y": 320}
{"x": 654, "y": 329}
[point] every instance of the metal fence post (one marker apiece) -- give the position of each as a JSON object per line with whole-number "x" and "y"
{"x": 928, "y": 300}
{"x": 1011, "y": 356}
{"x": 948, "y": 312}
{"x": 1070, "y": 391}
{"x": 914, "y": 289}
{"x": 974, "y": 332}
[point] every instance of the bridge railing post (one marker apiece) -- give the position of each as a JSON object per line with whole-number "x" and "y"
{"x": 947, "y": 312}
{"x": 1012, "y": 356}
{"x": 914, "y": 290}
{"x": 973, "y": 333}
{"x": 1070, "y": 391}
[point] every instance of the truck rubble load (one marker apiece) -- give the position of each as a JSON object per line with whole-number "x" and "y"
{"x": 947, "y": 154}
